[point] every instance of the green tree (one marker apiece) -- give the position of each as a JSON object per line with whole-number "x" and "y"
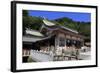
{"x": 25, "y": 20}
{"x": 25, "y": 13}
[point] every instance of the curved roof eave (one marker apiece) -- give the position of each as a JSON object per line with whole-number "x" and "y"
{"x": 34, "y": 32}
{"x": 51, "y": 24}
{"x": 74, "y": 31}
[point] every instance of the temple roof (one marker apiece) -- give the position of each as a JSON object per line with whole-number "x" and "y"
{"x": 34, "y": 35}
{"x": 74, "y": 31}
{"x": 48, "y": 23}
{"x": 34, "y": 32}
{"x": 28, "y": 38}
{"x": 52, "y": 26}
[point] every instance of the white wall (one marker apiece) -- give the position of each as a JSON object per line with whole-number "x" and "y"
{"x": 5, "y": 37}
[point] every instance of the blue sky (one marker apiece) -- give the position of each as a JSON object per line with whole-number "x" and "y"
{"x": 51, "y": 15}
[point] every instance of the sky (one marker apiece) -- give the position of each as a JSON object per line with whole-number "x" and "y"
{"x": 51, "y": 15}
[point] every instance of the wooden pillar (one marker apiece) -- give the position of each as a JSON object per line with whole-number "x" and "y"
{"x": 65, "y": 39}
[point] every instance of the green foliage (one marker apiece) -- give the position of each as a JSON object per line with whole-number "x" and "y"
{"x": 32, "y": 22}
{"x": 25, "y": 13}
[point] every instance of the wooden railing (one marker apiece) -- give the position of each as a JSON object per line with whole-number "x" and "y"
{"x": 40, "y": 56}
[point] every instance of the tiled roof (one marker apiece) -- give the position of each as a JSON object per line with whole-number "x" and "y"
{"x": 52, "y": 26}
{"x": 69, "y": 29}
{"x": 34, "y": 32}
